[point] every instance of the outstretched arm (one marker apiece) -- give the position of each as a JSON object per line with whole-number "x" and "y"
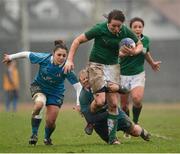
{"x": 7, "y": 58}
{"x": 77, "y": 87}
{"x": 155, "y": 65}
{"x": 71, "y": 77}
{"x": 69, "y": 65}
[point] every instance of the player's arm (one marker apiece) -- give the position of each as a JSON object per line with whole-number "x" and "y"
{"x": 69, "y": 65}
{"x": 71, "y": 77}
{"x": 77, "y": 86}
{"x": 7, "y": 58}
{"x": 155, "y": 65}
{"x": 138, "y": 49}
{"x": 131, "y": 51}
{"x": 90, "y": 34}
{"x": 112, "y": 87}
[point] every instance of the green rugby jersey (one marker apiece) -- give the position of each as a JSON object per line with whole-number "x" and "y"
{"x": 105, "y": 49}
{"x": 85, "y": 99}
{"x": 132, "y": 65}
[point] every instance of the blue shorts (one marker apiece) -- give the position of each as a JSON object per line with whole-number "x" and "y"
{"x": 54, "y": 100}
{"x": 51, "y": 99}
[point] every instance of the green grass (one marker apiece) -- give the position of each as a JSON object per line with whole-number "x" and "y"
{"x": 69, "y": 137}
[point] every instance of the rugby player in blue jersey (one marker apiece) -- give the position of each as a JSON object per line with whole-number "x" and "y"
{"x": 47, "y": 88}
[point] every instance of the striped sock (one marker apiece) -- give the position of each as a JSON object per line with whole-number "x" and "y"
{"x": 35, "y": 123}
{"x": 112, "y": 127}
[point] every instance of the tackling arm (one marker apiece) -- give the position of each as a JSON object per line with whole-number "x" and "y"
{"x": 7, "y": 58}
{"x": 77, "y": 87}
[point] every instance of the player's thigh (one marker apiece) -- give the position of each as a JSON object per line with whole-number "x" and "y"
{"x": 111, "y": 73}
{"x": 100, "y": 98}
{"x": 124, "y": 100}
{"x": 112, "y": 99}
{"x": 96, "y": 76}
{"x": 137, "y": 94}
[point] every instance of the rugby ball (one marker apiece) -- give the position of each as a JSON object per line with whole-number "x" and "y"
{"x": 127, "y": 42}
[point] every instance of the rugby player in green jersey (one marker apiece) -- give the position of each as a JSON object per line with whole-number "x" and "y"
{"x": 98, "y": 120}
{"x": 103, "y": 63}
{"x": 132, "y": 71}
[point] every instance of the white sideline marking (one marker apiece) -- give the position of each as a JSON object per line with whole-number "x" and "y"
{"x": 161, "y": 136}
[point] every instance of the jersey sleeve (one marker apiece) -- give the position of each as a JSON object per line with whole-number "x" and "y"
{"x": 77, "y": 87}
{"x": 37, "y": 58}
{"x": 93, "y": 32}
{"x": 71, "y": 77}
{"x": 148, "y": 44}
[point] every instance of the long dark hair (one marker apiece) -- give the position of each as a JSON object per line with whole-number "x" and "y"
{"x": 60, "y": 44}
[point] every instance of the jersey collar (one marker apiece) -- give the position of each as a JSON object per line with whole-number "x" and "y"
{"x": 111, "y": 31}
{"x": 142, "y": 36}
{"x": 51, "y": 60}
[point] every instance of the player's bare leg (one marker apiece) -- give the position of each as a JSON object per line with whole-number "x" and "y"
{"x": 51, "y": 116}
{"x": 38, "y": 108}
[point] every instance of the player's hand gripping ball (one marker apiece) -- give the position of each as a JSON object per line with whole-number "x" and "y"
{"x": 127, "y": 42}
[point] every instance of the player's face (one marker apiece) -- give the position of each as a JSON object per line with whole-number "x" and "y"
{"x": 115, "y": 26}
{"x": 137, "y": 27}
{"x": 84, "y": 80}
{"x": 59, "y": 56}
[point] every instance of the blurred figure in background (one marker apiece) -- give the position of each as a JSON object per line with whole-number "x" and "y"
{"x": 11, "y": 86}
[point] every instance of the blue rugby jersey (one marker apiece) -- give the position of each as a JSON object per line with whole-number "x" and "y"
{"x": 50, "y": 77}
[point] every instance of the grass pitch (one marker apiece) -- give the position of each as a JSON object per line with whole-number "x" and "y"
{"x": 162, "y": 120}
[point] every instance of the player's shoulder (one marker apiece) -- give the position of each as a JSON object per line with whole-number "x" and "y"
{"x": 101, "y": 26}
{"x": 41, "y": 54}
{"x": 125, "y": 28}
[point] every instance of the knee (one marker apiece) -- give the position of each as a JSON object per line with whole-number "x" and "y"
{"x": 113, "y": 108}
{"x": 39, "y": 99}
{"x": 137, "y": 100}
{"x": 100, "y": 104}
{"x": 38, "y": 109}
{"x": 100, "y": 100}
{"x": 50, "y": 123}
{"x": 39, "y": 104}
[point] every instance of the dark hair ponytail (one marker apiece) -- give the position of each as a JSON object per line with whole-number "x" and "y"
{"x": 59, "y": 44}
{"x": 116, "y": 15}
